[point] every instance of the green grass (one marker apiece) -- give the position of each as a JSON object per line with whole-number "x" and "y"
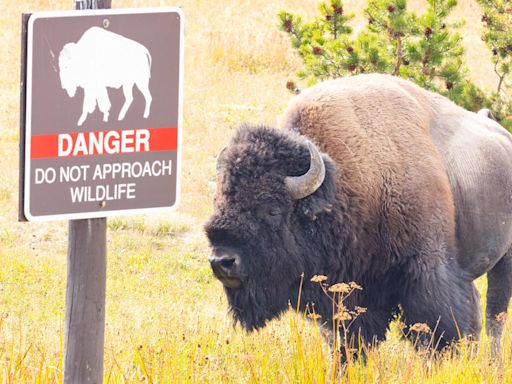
{"x": 166, "y": 322}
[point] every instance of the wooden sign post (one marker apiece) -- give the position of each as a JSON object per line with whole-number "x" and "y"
{"x": 92, "y": 146}
{"x": 85, "y": 301}
{"x": 84, "y": 336}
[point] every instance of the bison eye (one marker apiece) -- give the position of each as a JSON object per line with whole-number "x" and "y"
{"x": 268, "y": 212}
{"x": 274, "y": 211}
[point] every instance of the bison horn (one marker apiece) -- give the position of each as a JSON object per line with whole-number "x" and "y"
{"x": 300, "y": 187}
{"x": 218, "y": 167}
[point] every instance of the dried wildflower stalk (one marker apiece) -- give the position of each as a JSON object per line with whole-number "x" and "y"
{"x": 342, "y": 319}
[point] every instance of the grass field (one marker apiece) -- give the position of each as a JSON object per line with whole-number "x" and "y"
{"x": 166, "y": 317}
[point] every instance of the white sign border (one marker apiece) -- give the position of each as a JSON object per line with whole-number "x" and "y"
{"x": 28, "y": 114}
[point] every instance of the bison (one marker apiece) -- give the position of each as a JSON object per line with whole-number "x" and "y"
{"x": 102, "y": 59}
{"x": 375, "y": 180}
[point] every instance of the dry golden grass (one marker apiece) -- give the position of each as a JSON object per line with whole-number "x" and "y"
{"x": 166, "y": 316}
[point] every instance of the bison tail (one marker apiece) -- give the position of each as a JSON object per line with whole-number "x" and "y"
{"x": 487, "y": 113}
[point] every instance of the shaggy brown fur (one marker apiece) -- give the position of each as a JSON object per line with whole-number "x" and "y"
{"x": 377, "y": 134}
{"x": 416, "y": 203}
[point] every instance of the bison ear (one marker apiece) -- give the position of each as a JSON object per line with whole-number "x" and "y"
{"x": 313, "y": 208}
{"x": 323, "y": 199}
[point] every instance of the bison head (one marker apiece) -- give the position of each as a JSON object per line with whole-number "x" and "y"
{"x": 274, "y": 202}
{"x": 67, "y": 69}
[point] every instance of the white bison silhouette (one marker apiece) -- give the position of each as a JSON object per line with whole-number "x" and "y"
{"x": 102, "y": 59}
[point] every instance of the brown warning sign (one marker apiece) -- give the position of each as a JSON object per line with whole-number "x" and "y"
{"x": 103, "y": 112}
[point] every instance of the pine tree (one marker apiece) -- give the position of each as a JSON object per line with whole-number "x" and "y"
{"x": 497, "y": 22}
{"x": 396, "y": 41}
{"x": 323, "y": 44}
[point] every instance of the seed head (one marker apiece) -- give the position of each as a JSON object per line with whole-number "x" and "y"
{"x": 420, "y": 328}
{"x": 318, "y": 278}
{"x": 314, "y": 316}
{"x": 340, "y": 288}
{"x": 354, "y": 285}
{"x": 342, "y": 316}
{"x": 428, "y": 32}
{"x": 359, "y": 310}
{"x": 501, "y": 317}
{"x": 287, "y": 25}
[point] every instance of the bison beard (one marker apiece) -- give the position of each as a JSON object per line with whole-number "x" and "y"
{"x": 253, "y": 305}
{"x": 258, "y": 299}
{"x": 390, "y": 213}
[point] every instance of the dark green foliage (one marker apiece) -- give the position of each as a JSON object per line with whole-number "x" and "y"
{"x": 423, "y": 48}
{"x": 390, "y": 26}
{"x": 497, "y": 20}
{"x": 323, "y": 42}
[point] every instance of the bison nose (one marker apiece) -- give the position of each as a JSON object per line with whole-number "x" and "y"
{"x": 222, "y": 265}
{"x": 226, "y": 269}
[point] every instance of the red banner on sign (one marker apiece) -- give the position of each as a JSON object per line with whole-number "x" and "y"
{"x": 104, "y": 142}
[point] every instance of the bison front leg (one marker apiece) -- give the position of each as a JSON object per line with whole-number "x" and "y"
{"x": 89, "y": 105}
{"x": 443, "y": 298}
{"x": 128, "y": 98}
